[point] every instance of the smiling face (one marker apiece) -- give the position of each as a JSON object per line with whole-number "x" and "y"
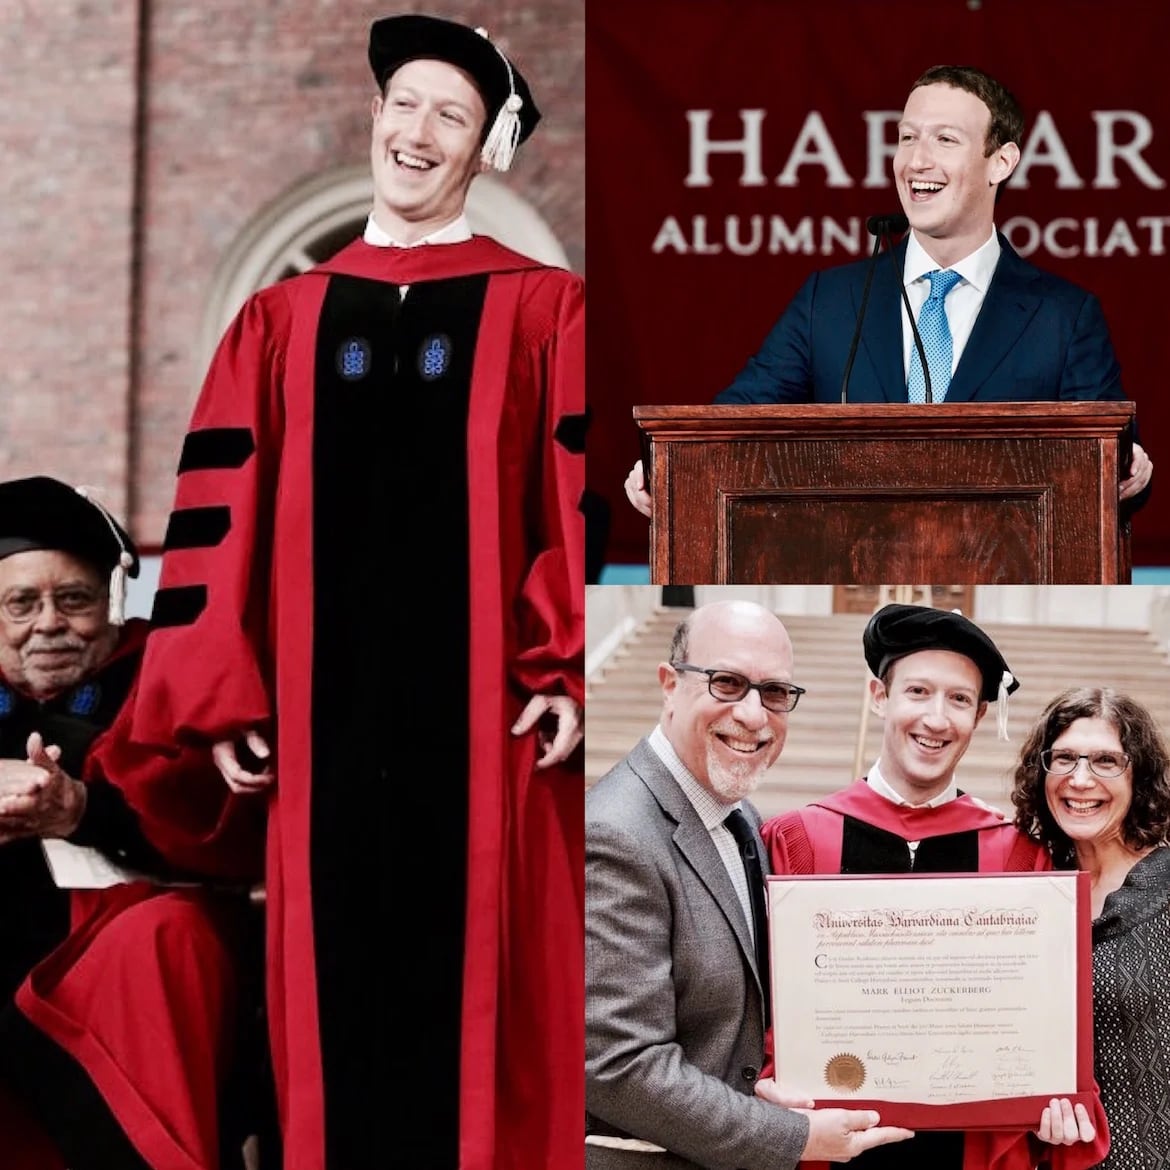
{"x": 946, "y": 182}
{"x": 424, "y": 148}
{"x": 931, "y": 707}
{"x": 52, "y": 650}
{"x": 728, "y": 746}
{"x": 1085, "y": 807}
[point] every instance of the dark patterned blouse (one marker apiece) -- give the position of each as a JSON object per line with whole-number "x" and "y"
{"x": 1131, "y": 1015}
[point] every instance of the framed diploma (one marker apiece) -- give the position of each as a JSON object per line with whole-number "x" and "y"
{"x": 944, "y": 1001}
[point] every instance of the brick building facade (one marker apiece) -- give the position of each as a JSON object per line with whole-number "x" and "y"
{"x": 145, "y": 147}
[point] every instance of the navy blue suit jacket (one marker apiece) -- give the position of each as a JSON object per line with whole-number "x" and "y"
{"x": 1038, "y": 338}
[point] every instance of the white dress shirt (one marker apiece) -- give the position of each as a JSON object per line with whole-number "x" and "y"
{"x": 458, "y": 231}
{"x": 712, "y": 813}
{"x": 963, "y": 302}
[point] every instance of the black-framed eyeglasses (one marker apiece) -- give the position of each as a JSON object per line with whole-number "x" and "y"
{"x": 729, "y": 687}
{"x": 1104, "y": 765}
{"x": 22, "y": 605}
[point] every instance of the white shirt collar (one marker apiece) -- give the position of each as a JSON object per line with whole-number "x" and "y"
{"x": 458, "y": 231}
{"x": 877, "y": 782}
{"x": 711, "y": 811}
{"x": 977, "y": 269}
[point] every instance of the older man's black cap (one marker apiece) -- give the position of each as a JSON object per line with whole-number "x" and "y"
{"x": 511, "y": 113}
{"x": 898, "y": 630}
{"x": 44, "y": 513}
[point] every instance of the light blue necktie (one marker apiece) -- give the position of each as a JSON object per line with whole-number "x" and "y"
{"x": 936, "y": 340}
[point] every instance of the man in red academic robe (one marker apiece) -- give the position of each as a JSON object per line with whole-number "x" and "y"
{"x": 934, "y": 672}
{"x": 371, "y": 604}
{"x": 115, "y": 1054}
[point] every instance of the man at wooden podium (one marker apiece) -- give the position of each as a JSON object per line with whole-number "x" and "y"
{"x": 992, "y": 326}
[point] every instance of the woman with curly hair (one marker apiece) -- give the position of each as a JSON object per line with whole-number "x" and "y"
{"x": 1093, "y": 785}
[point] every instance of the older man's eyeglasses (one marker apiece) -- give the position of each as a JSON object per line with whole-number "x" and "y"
{"x": 729, "y": 687}
{"x": 23, "y": 605}
{"x": 1104, "y": 765}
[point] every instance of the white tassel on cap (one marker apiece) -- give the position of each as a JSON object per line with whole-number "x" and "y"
{"x": 1001, "y": 704}
{"x": 118, "y": 589}
{"x": 117, "y": 610}
{"x": 499, "y": 148}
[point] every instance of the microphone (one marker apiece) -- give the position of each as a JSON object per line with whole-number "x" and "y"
{"x": 880, "y": 227}
{"x": 886, "y": 225}
{"x": 899, "y": 224}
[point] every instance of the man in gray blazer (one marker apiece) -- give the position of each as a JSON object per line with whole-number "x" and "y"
{"x": 675, "y": 1003}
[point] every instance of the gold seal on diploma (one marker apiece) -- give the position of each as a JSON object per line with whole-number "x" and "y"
{"x": 845, "y": 1071}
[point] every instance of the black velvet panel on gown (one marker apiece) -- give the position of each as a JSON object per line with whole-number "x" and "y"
{"x": 390, "y": 714}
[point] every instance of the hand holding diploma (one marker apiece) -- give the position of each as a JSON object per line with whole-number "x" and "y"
{"x": 834, "y": 1135}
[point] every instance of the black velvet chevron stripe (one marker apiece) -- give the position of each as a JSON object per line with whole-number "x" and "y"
{"x": 197, "y": 527}
{"x": 216, "y": 448}
{"x": 570, "y": 432}
{"x": 178, "y": 605}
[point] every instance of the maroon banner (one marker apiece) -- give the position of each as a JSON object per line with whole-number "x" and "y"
{"x": 733, "y": 148}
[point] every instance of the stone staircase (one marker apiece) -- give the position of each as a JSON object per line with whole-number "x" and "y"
{"x": 623, "y": 700}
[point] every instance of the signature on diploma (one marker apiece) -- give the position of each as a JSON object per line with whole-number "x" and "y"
{"x": 1013, "y": 1063}
{"x": 956, "y": 1049}
{"x": 888, "y": 1082}
{"x": 890, "y": 1056}
{"x": 954, "y": 1067}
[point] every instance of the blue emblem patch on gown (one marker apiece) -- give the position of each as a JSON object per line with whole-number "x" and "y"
{"x": 354, "y": 358}
{"x": 434, "y": 357}
{"x": 7, "y": 701}
{"x": 84, "y": 700}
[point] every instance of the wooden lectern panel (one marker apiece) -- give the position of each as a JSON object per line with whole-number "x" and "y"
{"x": 801, "y": 537}
{"x": 1012, "y": 493}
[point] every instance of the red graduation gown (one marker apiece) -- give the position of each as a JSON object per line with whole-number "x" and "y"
{"x": 143, "y": 991}
{"x": 247, "y": 620}
{"x": 143, "y": 994}
{"x": 821, "y": 839}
